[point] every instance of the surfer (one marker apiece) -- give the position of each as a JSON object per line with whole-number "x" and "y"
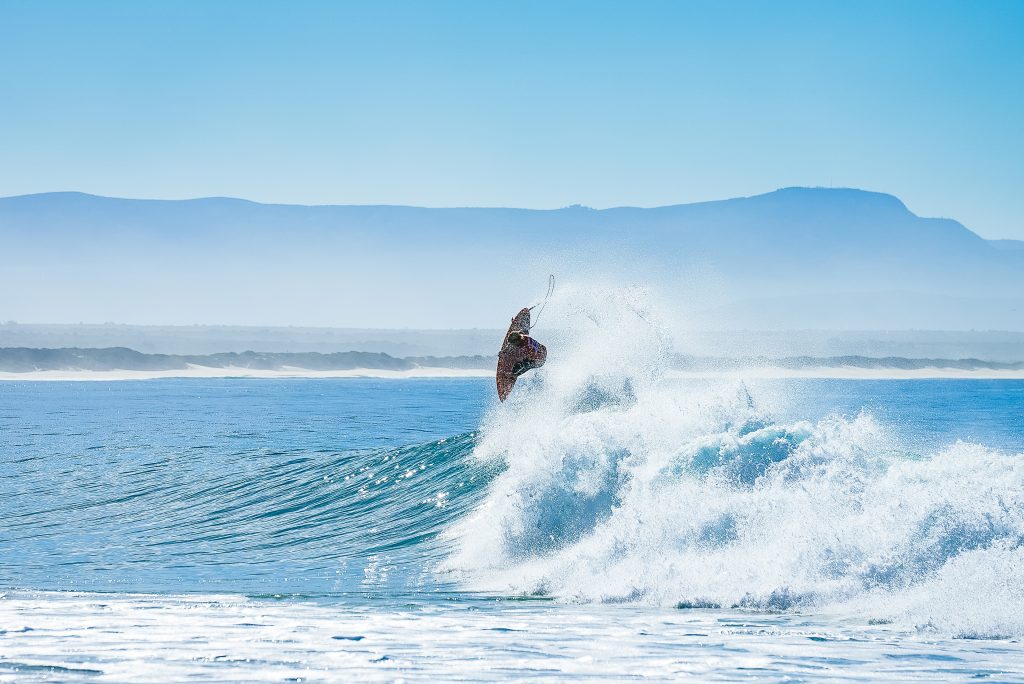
{"x": 519, "y": 353}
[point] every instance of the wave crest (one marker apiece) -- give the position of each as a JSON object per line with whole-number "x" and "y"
{"x": 622, "y": 485}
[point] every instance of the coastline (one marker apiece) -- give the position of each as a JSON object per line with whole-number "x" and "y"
{"x": 855, "y": 373}
{"x": 237, "y": 372}
{"x": 752, "y": 373}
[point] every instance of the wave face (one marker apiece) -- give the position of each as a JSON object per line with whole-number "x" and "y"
{"x": 623, "y": 486}
{"x": 290, "y": 522}
{"x": 233, "y": 485}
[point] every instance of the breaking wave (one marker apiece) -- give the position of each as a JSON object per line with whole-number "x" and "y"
{"x": 623, "y": 485}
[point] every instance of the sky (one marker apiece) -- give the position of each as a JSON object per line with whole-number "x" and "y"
{"x": 527, "y": 104}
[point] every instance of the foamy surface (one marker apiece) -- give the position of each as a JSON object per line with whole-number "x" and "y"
{"x": 73, "y": 637}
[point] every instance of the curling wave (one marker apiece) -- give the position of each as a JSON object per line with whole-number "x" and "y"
{"x": 624, "y": 486}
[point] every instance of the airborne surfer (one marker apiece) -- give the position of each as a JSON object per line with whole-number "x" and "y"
{"x": 520, "y": 352}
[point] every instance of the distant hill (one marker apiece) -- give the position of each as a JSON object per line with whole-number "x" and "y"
{"x": 193, "y": 340}
{"x": 22, "y": 360}
{"x": 793, "y": 258}
{"x": 204, "y": 340}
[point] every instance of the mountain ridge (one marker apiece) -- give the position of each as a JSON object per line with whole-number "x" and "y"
{"x": 75, "y": 256}
{"x": 788, "y": 190}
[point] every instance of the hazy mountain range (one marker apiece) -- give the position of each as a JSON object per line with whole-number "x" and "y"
{"x": 793, "y": 258}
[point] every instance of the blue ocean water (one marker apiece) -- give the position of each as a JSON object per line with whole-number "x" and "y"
{"x": 612, "y": 526}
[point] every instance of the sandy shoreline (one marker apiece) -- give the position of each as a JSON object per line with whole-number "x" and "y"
{"x": 761, "y": 373}
{"x": 857, "y": 373}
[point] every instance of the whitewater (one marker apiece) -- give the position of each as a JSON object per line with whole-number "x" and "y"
{"x": 608, "y": 521}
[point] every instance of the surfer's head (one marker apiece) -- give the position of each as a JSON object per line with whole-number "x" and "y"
{"x": 515, "y": 338}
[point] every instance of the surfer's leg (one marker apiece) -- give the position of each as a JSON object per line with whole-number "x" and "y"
{"x": 525, "y": 365}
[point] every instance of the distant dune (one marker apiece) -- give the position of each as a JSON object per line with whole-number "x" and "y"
{"x": 22, "y": 360}
{"x": 121, "y": 363}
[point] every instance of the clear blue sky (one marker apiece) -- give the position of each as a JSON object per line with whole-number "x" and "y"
{"x": 534, "y": 104}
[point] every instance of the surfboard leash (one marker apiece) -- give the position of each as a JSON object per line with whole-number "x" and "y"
{"x": 551, "y": 290}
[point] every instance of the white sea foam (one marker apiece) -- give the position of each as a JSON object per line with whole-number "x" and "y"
{"x": 622, "y": 486}
{"x": 75, "y": 637}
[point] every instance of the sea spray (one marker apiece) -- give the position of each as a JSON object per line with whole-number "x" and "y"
{"x": 624, "y": 485}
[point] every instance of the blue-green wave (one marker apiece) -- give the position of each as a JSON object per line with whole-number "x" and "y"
{"x": 297, "y": 521}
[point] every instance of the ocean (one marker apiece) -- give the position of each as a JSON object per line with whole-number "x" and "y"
{"x": 607, "y": 525}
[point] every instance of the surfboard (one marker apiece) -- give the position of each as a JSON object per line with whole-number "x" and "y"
{"x": 513, "y": 361}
